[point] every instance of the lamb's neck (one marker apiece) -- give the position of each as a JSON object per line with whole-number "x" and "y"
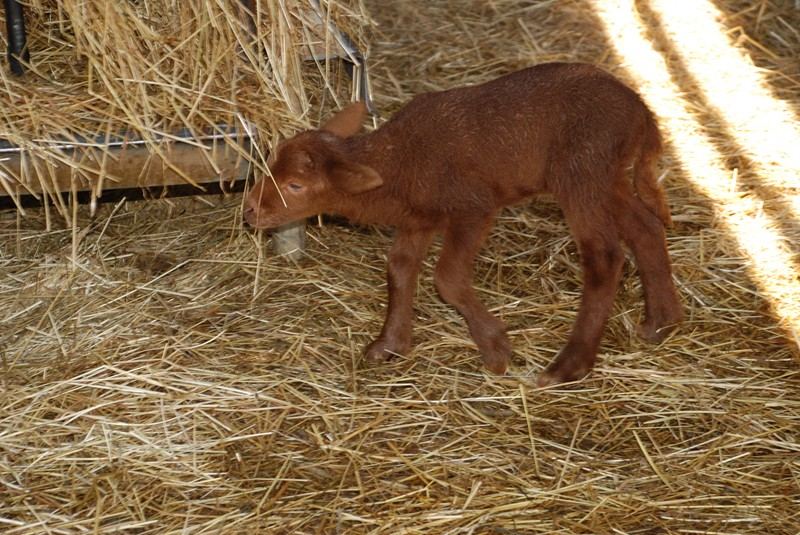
{"x": 372, "y": 149}
{"x": 381, "y": 205}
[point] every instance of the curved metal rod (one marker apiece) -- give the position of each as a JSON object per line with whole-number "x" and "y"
{"x": 17, "y": 41}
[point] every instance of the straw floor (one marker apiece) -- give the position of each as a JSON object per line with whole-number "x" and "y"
{"x": 164, "y": 372}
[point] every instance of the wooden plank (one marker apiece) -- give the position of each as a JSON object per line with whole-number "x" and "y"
{"x": 125, "y": 166}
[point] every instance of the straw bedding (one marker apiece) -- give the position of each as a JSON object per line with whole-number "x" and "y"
{"x": 163, "y": 372}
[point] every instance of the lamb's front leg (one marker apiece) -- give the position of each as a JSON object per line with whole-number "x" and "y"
{"x": 405, "y": 258}
{"x": 453, "y": 277}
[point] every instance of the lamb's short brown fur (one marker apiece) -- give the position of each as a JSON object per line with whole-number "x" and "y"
{"x": 449, "y": 161}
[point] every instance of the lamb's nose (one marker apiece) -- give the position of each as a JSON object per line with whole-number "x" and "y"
{"x": 249, "y": 214}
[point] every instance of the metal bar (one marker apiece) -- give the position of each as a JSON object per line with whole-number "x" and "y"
{"x": 355, "y": 63}
{"x": 17, "y": 42}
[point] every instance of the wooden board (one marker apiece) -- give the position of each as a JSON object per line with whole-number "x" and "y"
{"x": 126, "y": 166}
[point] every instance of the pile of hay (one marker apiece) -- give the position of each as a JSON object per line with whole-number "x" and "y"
{"x": 164, "y": 373}
{"x": 154, "y": 70}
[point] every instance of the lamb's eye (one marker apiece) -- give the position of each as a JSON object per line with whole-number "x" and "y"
{"x": 295, "y": 187}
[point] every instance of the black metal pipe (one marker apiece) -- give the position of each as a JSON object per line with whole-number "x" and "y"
{"x": 131, "y": 194}
{"x": 17, "y": 42}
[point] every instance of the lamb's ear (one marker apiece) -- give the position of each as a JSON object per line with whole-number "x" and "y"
{"x": 347, "y": 122}
{"x": 355, "y": 178}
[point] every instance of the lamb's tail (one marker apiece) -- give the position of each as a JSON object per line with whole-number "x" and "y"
{"x": 645, "y": 181}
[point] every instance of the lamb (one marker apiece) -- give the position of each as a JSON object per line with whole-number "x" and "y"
{"x": 448, "y": 161}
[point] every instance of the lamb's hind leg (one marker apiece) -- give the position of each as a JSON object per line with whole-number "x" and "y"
{"x": 453, "y": 277}
{"x": 595, "y": 232}
{"x": 643, "y": 232}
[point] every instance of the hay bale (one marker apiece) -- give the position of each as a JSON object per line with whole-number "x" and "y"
{"x": 155, "y": 71}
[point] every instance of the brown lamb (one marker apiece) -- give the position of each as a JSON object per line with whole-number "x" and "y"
{"x": 448, "y": 161}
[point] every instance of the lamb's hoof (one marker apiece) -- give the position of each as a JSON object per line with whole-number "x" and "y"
{"x": 380, "y": 350}
{"x": 656, "y": 331}
{"x": 496, "y": 365}
{"x": 565, "y": 368}
{"x": 496, "y": 353}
